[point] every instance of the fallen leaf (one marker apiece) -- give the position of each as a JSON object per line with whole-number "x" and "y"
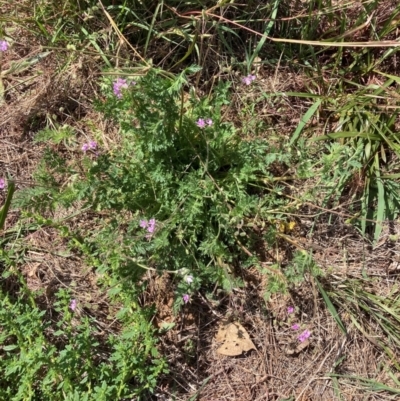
{"x": 285, "y": 227}
{"x": 296, "y": 348}
{"x": 235, "y": 339}
{"x": 33, "y": 269}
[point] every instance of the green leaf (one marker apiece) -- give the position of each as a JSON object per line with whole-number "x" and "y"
{"x": 10, "y": 347}
{"x": 16, "y": 67}
{"x": 266, "y": 32}
{"x": 6, "y": 207}
{"x": 380, "y": 215}
{"x": 331, "y": 307}
{"x": 306, "y": 118}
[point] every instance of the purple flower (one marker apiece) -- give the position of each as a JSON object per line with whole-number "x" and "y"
{"x": 249, "y": 79}
{"x": 290, "y": 309}
{"x": 72, "y": 304}
{"x": 304, "y": 335}
{"x": 118, "y": 85}
{"x": 92, "y": 145}
{"x": 295, "y": 326}
{"x": 2, "y": 183}
{"x": 3, "y": 46}
{"x": 189, "y": 279}
{"x": 186, "y": 298}
{"x": 85, "y": 147}
{"x": 201, "y": 123}
{"x": 151, "y": 226}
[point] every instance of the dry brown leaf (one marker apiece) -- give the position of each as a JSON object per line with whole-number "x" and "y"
{"x": 235, "y": 339}
{"x": 33, "y": 269}
{"x": 296, "y": 348}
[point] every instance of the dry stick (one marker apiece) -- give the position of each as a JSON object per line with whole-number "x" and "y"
{"x": 338, "y": 355}
{"x": 358, "y": 28}
{"x": 332, "y": 210}
{"x": 315, "y": 378}
{"x": 382, "y": 43}
{"x": 120, "y": 35}
{"x": 315, "y": 13}
{"x": 219, "y": 316}
{"x": 154, "y": 269}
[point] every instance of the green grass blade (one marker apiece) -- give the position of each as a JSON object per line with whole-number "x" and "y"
{"x": 151, "y": 28}
{"x": 344, "y": 135}
{"x": 266, "y": 34}
{"x": 6, "y": 207}
{"x": 97, "y": 47}
{"x": 306, "y": 118}
{"x": 292, "y": 94}
{"x": 392, "y": 77}
{"x": 331, "y": 307}
{"x": 16, "y": 67}
{"x": 226, "y": 31}
{"x": 364, "y": 205}
{"x": 372, "y": 385}
{"x": 380, "y": 215}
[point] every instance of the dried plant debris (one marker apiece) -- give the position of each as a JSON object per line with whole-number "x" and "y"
{"x": 234, "y": 338}
{"x": 295, "y": 347}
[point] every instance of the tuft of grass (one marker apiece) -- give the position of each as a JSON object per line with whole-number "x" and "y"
{"x": 371, "y": 386}
{"x": 375, "y": 316}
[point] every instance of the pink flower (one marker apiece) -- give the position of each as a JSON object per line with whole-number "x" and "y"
{"x": 186, "y": 298}
{"x": 304, "y": 335}
{"x": 85, "y": 147}
{"x": 3, "y": 46}
{"x": 92, "y": 145}
{"x": 295, "y": 326}
{"x": 249, "y": 79}
{"x": 151, "y": 226}
{"x": 290, "y": 309}
{"x": 72, "y": 304}
{"x": 2, "y": 183}
{"x": 201, "y": 123}
{"x": 189, "y": 279}
{"x": 118, "y": 85}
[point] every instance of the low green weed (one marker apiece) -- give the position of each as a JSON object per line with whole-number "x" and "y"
{"x": 69, "y": 359}
{"x": 180, "y": 188}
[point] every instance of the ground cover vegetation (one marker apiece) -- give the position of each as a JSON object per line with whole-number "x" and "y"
{"x": 167, "y": 166}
